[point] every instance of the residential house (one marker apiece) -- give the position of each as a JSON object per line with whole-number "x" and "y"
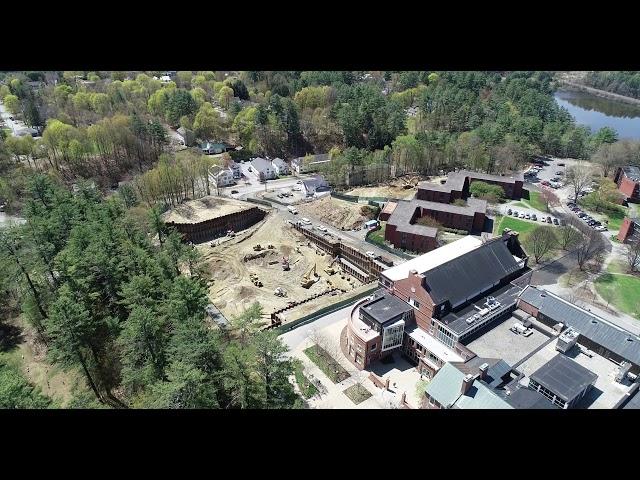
{"x": 310, "y": 163}
{"x": 281, "y": 167}
{"x": 222, "y": 176}
{"x": 628, "y": 180}
{"x": 188, "y": 136}
{"x": 315, "y": 184}
{"x": 212, "y": 148}
{"x": 263, "y": 168}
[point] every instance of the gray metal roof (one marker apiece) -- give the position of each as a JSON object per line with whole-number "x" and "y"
{"x": 634, "y": 402}
{"x": 260, "y": 164}
{"x": 465, "y": 277}
{"x": 632, "y": 172}
{"x": 498, "y": 368}
{"x": 564, "y": 377}
{"x": 593, "y": 327}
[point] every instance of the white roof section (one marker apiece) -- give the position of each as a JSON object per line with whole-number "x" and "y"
{"x": 439, "y": 349}
{"x": 432, "y": 259}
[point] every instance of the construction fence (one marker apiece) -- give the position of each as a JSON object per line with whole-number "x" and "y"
{"x": 287, "y": 327}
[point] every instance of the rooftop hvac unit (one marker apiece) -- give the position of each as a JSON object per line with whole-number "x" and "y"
{"x": 623, "y": 371}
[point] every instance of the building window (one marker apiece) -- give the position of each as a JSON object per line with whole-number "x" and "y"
{"x": 413, "y": 303}
{"x": 392, "y": 336}
{"x": 374, "y": 346}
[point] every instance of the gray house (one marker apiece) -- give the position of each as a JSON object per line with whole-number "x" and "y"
{"x": 263, "y": 168}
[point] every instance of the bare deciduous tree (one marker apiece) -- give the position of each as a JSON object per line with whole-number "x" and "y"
{"x": 568, "y": 235}
{"x": 579, "y": 177}
{"x": 549, "y": 198}
{"x": 591, "y": 246}
{"x": 540, "y": 242}
{"x": 633, "y": 255}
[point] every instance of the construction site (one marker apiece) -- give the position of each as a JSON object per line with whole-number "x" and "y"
{"x": 339, "y": 214}
{"x": 402, "y": 188}
{"x": 277, "y": 265}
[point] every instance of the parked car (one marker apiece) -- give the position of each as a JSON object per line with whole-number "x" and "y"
{"x": 321, "y": 228}
{"x": 534, "y": 217}
{"x": 509, "y": 212}
{"x": 555, "y": 221}
{"x": 371, "y": 254}
{"x": 559, "y": 172}
{"x": 561, "y": 164}
{"x": 527, "y": 216}
{"x": 548, "y": 219}
{"x": 234, "y": 191}
{"x": 299, "y": 182}
{"x": 545, "y": 182}
{"x": 521, "y": 215}
{"x": 601, "y": 228}
{"x": 305, "y": 221}
{"x": 515, "y": 213}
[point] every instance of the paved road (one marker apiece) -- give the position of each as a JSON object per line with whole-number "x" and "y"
{"x": 298, "y": 335}
{"x": 7, "y": 121}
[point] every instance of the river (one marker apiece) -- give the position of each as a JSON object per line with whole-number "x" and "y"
{"x": 597, "y": 112}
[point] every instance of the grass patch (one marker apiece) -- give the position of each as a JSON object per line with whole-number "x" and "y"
{"x": 307, "y": 388}
{"x": 572, "y": 278}
{"x": 357, "y": 393}
{"x": 377, "y": 236}
{"x": 519, "y": 205}
{"x": 621, "y": 291}
{"x": 535, "y": 201}
{"x": 615, "y": 219}
{"x": 617, "y": 267}
{"x": 521, "y": 226}
{"x": 325, "y": 362}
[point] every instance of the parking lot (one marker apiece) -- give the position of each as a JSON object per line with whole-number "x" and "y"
{"x": 606, "y": 392}
{"x": 500, "y": 342}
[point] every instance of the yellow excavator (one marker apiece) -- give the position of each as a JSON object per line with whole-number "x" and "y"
{"x": 330, "y": 270}
{"x": 310, "y": 277}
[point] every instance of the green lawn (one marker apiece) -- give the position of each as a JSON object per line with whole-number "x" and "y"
{"x": 357, "y": 393}
{"x": 325, "y": 362}
{"x": 621, "y": 291}
{"x": 377, "y": 236}
{"x": 307, "y": 388}
{"x": 615, "y": 220}
{"x": 534, "y": 202}
{"x": 520, "y": 205}
{"x": 521, "y": 226}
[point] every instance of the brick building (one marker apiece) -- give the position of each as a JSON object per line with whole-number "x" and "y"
{"x": 628, "y": 180}
{"x": 404, "y": 231}
{"x": 457, "y": 186}
{"x": 445, "y": 289}
{"x": 376, "y": 328}
{"x": 629, "y": 230}
{"x": 210, "y": 217}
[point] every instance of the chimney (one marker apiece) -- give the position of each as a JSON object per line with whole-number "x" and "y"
{"x": 483, "y": 369}
{"x": 467, "y": 381}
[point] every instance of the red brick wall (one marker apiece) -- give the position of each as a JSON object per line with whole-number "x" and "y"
{"x": 478, "y": 221}
{"x": 433, "y": 195}
{"x": 525, "y": 307}
{"x": 402, "y": 290}
{"x": 414, "y": 243}
{"x": 628, "y": 187}
{"x": 626, "y": 230}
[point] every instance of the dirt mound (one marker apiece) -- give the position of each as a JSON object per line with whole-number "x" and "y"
{"x": 337, "y": 213}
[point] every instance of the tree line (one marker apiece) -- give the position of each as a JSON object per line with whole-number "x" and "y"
{"x": 128, "y": 311}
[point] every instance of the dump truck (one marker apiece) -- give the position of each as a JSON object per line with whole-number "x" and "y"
{"x": 258, "y": 247}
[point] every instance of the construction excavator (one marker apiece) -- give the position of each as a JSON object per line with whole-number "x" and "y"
{"x": 310, "y": 277}
{"x": 285, "y": 263}
{"x": 258, "y": 247}
{"x": 330, "y": 270}
{"x": 279, "y": 292}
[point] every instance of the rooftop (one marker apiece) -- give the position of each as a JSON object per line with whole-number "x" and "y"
{"x": 564, "y": 377}
{"x": 279, "y": 162}
{"x": 385, "y": 307}
{"x": 389, "y": 207}
{"x": 521, "y": 397}
{"x": 591, "y": 326}
{"x": 438, "y": 348}
{"x": 432, "y": 259}
{"x": 203, "y": 209}
{"x": 446, "y": 389}
{"x": 475, "y": 272}
{"x": 632, "y": 172}
{"x": 457, "y": 321}
{"x": 260, "y": 163}
{"x": 634, "y": 402}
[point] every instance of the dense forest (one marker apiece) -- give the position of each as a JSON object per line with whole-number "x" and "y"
{"x": 116, "y": 297}
{"x": 622, "y": 83}
{"x": 128, "y": 312}
{"x": 107, "y": 126}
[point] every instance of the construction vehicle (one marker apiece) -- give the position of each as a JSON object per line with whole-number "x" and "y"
{"x": 279, "y": 292}
{"x": 285, "y": 263}
{"x": 270, "y": 247}
{"x": 310, "y": 277}
{"x": 255, "y": 280}
{"x": 329, "y": 269}
{"x": 258, "y": 247}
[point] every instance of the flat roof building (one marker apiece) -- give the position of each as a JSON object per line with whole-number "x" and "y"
{"x": 562, "y": 381}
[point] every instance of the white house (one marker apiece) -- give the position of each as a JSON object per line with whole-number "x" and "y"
{"x": 281, "y": 167}
{"x": 236, "y": 169}
{"x": 223, "y": 177}
{"x": 263, "y": 168}
{"x": 310, "y": 163}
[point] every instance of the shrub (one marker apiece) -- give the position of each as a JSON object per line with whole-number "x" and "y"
{"x": 486, "y": 191}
